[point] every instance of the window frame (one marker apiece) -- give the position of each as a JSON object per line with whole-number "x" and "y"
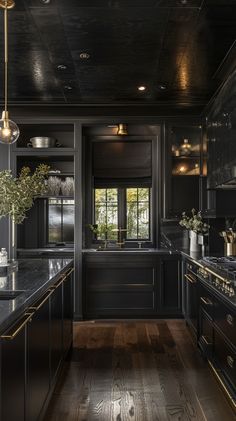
{"x": 122, "y": 212}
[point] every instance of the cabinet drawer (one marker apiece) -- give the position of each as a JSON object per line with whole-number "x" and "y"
{"x": 110, "y": 302}
{"x": 206, "y": 301}
{"x": 118, "y": 276}
{"x": 205, "y": 333}
{"x": 225, "y": 358}
{"x": 225, "y": 320}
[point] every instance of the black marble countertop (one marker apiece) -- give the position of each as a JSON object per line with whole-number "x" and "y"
{"x": 48, "y": 250}
{"x": 33, "y": 278}
{"x": 133, "y": 251}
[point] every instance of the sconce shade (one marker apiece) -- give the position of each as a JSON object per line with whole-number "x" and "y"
{"x": 122, "y": 130}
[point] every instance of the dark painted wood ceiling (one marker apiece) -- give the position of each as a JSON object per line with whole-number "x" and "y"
{"x": 180, "y": 44}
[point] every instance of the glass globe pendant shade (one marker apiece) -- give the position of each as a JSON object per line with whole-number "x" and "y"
{"x": 9, "y": 131}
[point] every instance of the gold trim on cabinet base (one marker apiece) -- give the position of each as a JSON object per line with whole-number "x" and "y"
{"x": 226, "y": 391}
{"x": 10, "y": 4}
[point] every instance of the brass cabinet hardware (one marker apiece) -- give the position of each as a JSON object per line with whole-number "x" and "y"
{"x": 58, "y": 284}
{"x": 216, "y": 274}
{"x": 190, "y": 279}
{"x": 206, "y": 340}
{"x": 230, "y": 319}
{"x": 12, "y": 333}
{"x": 230, "y": 397}
{"x": 206, "y": 301}
{"x": 45, "y": 298}
{"x": 69, "y": 272}
{"x": 230, "y": 361}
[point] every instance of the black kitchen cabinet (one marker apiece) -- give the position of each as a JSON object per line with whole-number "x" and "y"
{"x": 38, "y": 353}
{"x": 68, "y": 312}
{"x": 131, "y": 284}
{"x": 121, "y": 285}
{"x": 32, "y": 353}
{"x": 184, "y": 167}
{"x": 56, "y": 328}
{"x": 170, "y": 286}
{"x": 13, "y": 367}
{"x": 191, "y": 296}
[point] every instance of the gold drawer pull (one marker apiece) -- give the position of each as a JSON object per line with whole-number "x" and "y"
{"x": 58, "y": 284}
{"x": 12, "y": 334}
{"x": 206, "y": 301}
{"x": 230, "y": 361}
{"x": 230, "y": 319}
{"x": 69, "y": 272}
{"x": 190, "y": 279}
{"x": 36, "y": 308}
{"x": 206, "y": 340}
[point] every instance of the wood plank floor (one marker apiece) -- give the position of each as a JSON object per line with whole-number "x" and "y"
{"x": 139, "y": 371}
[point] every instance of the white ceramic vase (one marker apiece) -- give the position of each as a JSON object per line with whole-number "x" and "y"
{"x": 194, "y": 246}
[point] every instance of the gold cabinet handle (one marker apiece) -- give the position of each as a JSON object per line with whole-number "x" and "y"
{"x": 206, "y": 301}
{"x": 58, "y": 284}
{"x": 190, "y": 279}
{"x": 206, "y": 340}
{"x": 12, "y": 333}
{"x": 230, "y": 361}
{"x": 230, "y": 319}
{"x": 69, "y": 272}
{"x": 48, "y": 293}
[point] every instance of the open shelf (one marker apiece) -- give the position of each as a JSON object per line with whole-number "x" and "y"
{"x": 62, "y": 133}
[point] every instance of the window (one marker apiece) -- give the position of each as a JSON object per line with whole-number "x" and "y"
{"x": 106, "y": 210}
{"x": 127, "y": 208}
{"x": 137, "y": 213}
{"x": 60, "y": 221}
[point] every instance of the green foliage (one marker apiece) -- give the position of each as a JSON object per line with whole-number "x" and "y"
{"x": 194, "y": 222}
{"x": 101, "y": 231}
{"x": 17, "y": 194}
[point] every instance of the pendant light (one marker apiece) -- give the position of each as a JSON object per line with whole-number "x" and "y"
{"x": 9, "y": 131}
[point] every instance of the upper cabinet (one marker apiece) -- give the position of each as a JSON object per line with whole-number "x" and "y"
{"x": 221, "y": 132}
{"x": 185, "y": 165}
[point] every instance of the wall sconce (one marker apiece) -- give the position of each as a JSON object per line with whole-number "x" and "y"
{"x": 122, "y": 130}
{"x": 9, "y": 131}
{"x": 186, "y": 147}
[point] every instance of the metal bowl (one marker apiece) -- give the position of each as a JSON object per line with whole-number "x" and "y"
{"x": 42, "y": 142}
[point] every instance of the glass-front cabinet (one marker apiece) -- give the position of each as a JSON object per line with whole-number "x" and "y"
{"x": 185, "y": 169}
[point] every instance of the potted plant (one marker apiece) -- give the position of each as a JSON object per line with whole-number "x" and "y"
{"x": 18, "y": 194}
{"x": 197, "y": 228}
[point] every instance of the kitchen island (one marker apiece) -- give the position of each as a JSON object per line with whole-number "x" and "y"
{"x": 36, "y": 314}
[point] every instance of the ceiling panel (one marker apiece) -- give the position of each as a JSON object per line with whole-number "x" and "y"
{"x": 177, "y": 43}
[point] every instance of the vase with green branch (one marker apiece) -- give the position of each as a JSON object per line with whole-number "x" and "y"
{"x": 102, "y": 233}
{"x": 18, "y": 194}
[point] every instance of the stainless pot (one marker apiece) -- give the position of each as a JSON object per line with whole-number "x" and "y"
{"x": 43, "y": 142}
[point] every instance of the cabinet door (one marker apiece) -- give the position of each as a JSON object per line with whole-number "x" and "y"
{"x": 68, "y": 312}
{"x": 13, "y": 367}
{"x": 191, "y": 309}
{"x": 170, "y": 286}
{"x": 56, "y": 332}
{"x": 38, "y": 360}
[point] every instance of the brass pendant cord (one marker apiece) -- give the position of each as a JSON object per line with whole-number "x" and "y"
{"x": 6, "y": 53}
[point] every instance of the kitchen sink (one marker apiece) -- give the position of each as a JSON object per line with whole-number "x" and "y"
{"x": 9, "y": 295}
{"x": 124, "y": 249}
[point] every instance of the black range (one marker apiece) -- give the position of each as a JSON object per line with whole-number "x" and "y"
{"x": 220, "y": 272}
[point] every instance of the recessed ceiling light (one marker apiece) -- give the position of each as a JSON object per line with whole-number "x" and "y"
{"x": 84, "y": 56}
{"x": 45, "y": 1}
{"x": 184, "y": 2}
{"x": 68, "y": 87}
{"x": 61, "y": 67}
{"x": 142, "y": 88}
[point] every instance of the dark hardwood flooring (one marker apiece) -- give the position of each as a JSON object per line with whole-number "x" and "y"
{"x": 139, "y": 371}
